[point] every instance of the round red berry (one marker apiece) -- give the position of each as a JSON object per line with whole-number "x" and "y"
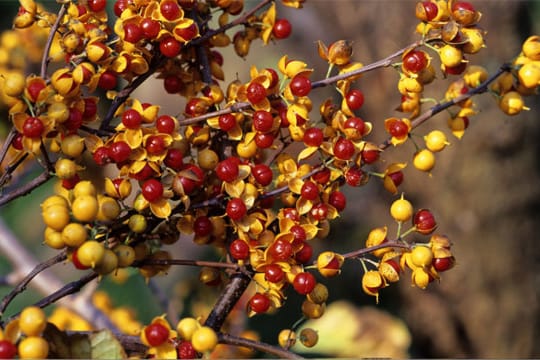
{"x": 132, "y": 33}
{"x": 33, "y": 127}
{"x": 97, "y": 5}
{"x": 304, "y": 283}
{"x": 263, "y": 121}
{"x": 300, "y": 85}
{"x": 202, "y": 226}
{"x": 7, "y": 349}
{"x": 344, "y": 149}
{"x": 119, "y": 151}
{"x": 264, "y": 140}
{"x": 313, "y": 137}
{"x": 282, "y": 29}
{"x": 226, "y": 122}
{"x": 259, "y": 303}
{"x": 338, "y": 200}
{"x": 236, "y": 209}
{"x": 415, "y": 61}
{"x": 262, "y": 174}
{"x": 173, "y": 84}
{"x": 131, "y": 119}
{"x": 309, "y": 190}
{"x": 280, "y": 250}
{"x": 354, "y": 99}
{"x": 239, "y": 249}
{"x": 169, "y": 46}
{"x": 274, "y": 273}
{"x": 156, "y": 334}
{"x": 431, "y": 10}
{"x": 303, "y": 256}
{"x": 152, "y": 190}
{"x": 185, "y": 350}
{"x": 227, "y": 170}
{"x": 165, "y": 124}
{"x": 170, "y": 9}
{"x": 424, "y": 221}
{"x": 150, "y": 28}
{"x": 256, "y": 92}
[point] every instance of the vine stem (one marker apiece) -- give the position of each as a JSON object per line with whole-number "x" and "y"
{"x": 187, "y": 262}
{"x": 364, "y": 251}
{"x": 50, "y": 38}
{"x": 257, "y": 345}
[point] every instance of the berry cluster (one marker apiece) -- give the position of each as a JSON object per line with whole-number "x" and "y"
{"x": 248, "y": 167}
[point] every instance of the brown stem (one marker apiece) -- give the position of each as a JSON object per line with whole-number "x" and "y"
{"x": 25, "y": 189}
{"x": 50, "y": 38}
{"x": 228, "y": 298}
{"x": 257, "y": 345}
{"x": 21, "y": 286}
{"x": 212, "y": 264}
{"x": 364, "y": 251}
{"x": 7, "y": 143}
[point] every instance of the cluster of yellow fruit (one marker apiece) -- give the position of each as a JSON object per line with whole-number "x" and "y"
{"x": 25, "y": 331}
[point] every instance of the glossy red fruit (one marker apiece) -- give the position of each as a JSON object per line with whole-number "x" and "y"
{"x": 304, "y": 283}
{"x": 202, "y": 226}
{"x": 228, "y": 169}
{"x": 259, "y": 303}
{"x": 431, "y": 10}
{"x": 256, "y": 92}
{"x": 119, "y": 151}
{"x": 282, "y": 29}
{"x": 343, "y": 149}
{"x": 74, "y": 121}
{"x": 299, "y": 234}
{"x": 165, "y": 124}
{"x": 7, "y": 349}
{"x": 239, "y": 249}
{"x": 33, "y": 127}
{"x": 309, "y": 190}
{"x": 262, "y": 174}
{"x": 185, "y": 350}
{"x": 263, "y": 121}
{"x": 319, "y": 211}
{"x": 415, "y": 61}
{"x": 34, "y": 88}
{"x": 155, "y": 145}
{"x": 398, "y": 129}
{"x": 303, "y": 256}
{"x": 354, "y": 176}
{"x": 424, "y": 221}
{"x": 132, "y": 33}
{"x": 443, "y": 264}
{"x": 194, "y": 181}
{"x": 101, "y": 156}
{"x": 131, "y": 119}
{"x": 355, "y": 123}
{"x": 354, "y": 99}
{"x": 280, "y": 250}
{"x": 173, "y": 84}
{"x": 322, "y": 177}
{"x": 156, "y": 334}
{"x": 370, "y": 156}
{"x": 152, "y": 190}
{"x": 226, "y": 122}
{"x": 169, "y": 46}
{"x": 17, "y": 141}
{"x": 274, "y": 273}
{"x": 313, "y": 137}
{"x": 264, "y": 140}
{"x": 170, "y": 9}
{"x": 97, "y": 5}
{"x": 150, "y": 28}
{"x": 397, "y": 177}
{"x": 236, "y": 209}
{"x": 187, "y": 33}
{"x": 174, "y": 159}
{"x": 119, "y": 7}
{"x": 300, "y": 85}
{"x": 338, "y": 200}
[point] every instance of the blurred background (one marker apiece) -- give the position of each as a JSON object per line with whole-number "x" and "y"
{"x": 483, "y": 191}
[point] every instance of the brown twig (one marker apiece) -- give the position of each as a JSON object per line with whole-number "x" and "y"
{"x": 50, "y": 38}
{"x": 26, "y": 188}
{"x": 367, "y": 250}
{"x": 257, "y": 345}
{"x": 213, "y": 264}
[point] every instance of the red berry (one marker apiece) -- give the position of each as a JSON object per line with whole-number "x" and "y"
{"x": 274, "y": 77}
{"x": 156, "y": 334}
{"x": 131, "y": 119}
{"x": 90, "y": 108}
{"x": 370, "y": 156}
{"x": 280, "y": 250}
{"x": 169, "y": 46}
{"x": 165, "y": 124}
{"x": 259, "y": 303}
{"x": 300, "y": 85}
{"x": 132, "y": 33}
{"x": 97, "y": 5}
{"x": 431, "y": 10}
{"x": 174, "y": 159}
{"x": 119, "y": 151}
{"x": 108, "y": 80}
{"x": 322, "y": 177}
{"x": 309, "y": 190}
{"x": 187, "y": 33}
{"x": 17, "y": 141}
{"x": 354, "y": 176}
{"x": 299, "y": 234}
{"x": 226, "y": 122}
{"x": 424, "y": 221}
{"x": 463, "y": 6}
{"x": 155, "y": 145}
{"x": 319, "y": 211}
{"x": 398, "y": 129}
{"x": 262, "y": 174}
{"x": 443, "y": 264}
{"x": 313, "y": 137}
{"x": 397, "y": 177}
{"x": 303, "y": 256}
{"x": 343, "y": 149}
{"x": 236, "y": 209}
{"x": 71, "y": 182}
{"x": 33, "y": 127}
{"x": 338, "y": 200}
{"x": 7, "y": 349}
{"x": 173, "y": 84}
{"x": 282, "y": 29}
{"x": 227, "y": 170}
{"x": 185, "y": 350}
{"x": 304, "y": 283}
{"x": 170, "y": 9}
{"x": 256, "y": 92}
{"x": 263, "y": 121}
{"x": 415, "y": 61}
{"x": 150, "y": 28}
{"x": 264, "y": 140}
{"x": 239, "y": 249}
{"x": 152, "y": 190}
{"x": 274, "y": 273}
{"x": 34, "y": 88}
{"x": 194, "y": 181}
{"x": 355, "y": 123}
{"x": 354, "y": 99}
{"x": 202, "y": 226}
{"x": 101, "y": 156}
{"x": 195, "y": 107}
{"x": 119, "y": 7}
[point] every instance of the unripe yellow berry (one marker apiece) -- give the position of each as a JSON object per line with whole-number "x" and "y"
{"x": 33, "y": 347}
{"x": 435, "y": 140}
{"x": 74, "y": 234}
{"x": 125, "y": 254}
{"x": 450, "y": 56}
{"x": 424, "y": 160}
{"x": 529, "y": 74}
{"x": 401, "y": 209}
{"x": 137, "y": 223}
{"x": 32, "y": 321}
{"x": 14, "y": 83}
{"x": 421, "y": 256}
{"x": 107, "y": 264}
{"x": 66, "y": 168}
{"x": 109, "y": 209}
{"x": 56, "y": 217}
{"x": 286, "y": 338}
{"x": 53, "y": 238}
{"x": 72, "y": 145}
{"x": 85, "y": 208}
{"x": 90, "y": 253}
{"x": 84, "y": 187}
{"x": 512, "y": 103}
{"x": 187, "y": 327}
{"x": 531, "y": 47}
{"x": 204, "y": 339}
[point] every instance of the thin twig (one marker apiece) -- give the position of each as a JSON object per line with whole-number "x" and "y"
{"x": 188, "y": 262}
{"x": 50, "y": 38}
{"x": 257, "y": 345}
{"x": 26, "y": 188}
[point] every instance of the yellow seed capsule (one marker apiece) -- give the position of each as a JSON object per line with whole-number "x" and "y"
{"x": 33, "y": 347}
{"x": 53, "y": 238}
{"x": 90, "y": 253}
{"x": 286, "y": 338}
{"x": 529, "y": 74}
{"x": 56, "y": 217}
{"x": 420, "y": 278}
{"x": 421, "y": 256}
{"x": 32, "y": 321}
{"x": 85, "y": 208}
{"x": 450, "y": 56}
{"x": 66, "y": 168}
{"x": 204, "y": 339}
{"x": 74, "y": 234}
{"x": 424, "y": 160}
{"x": 512, "y": 103}
{"x": 72, "y": 145}
{"x": 531, "y": 47}
{"x": 401, "y": 209}
{"x": 186, "y": 327}
{"x": 436, "y": 140}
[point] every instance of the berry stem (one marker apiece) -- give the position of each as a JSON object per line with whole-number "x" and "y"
{"x": 257, "y": 345}
{"x": 52, "y": 32}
